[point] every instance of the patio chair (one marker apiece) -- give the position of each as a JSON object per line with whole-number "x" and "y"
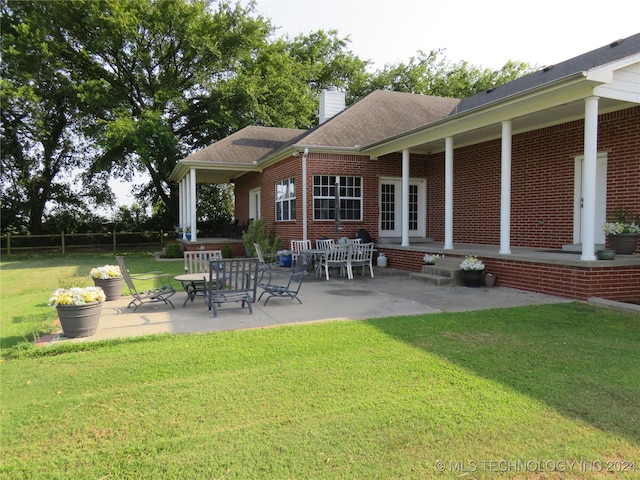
{"x": 197, "y": 261}
{"x": 292, "y": 287}
{"x": 231, "y": 280}
{"x": 160, "y": 293}
{"x": 325, "y": 243}
{"x": 339, "y": 255}
{"x": 361, "y": 256}
{"x": 297, "y": 246}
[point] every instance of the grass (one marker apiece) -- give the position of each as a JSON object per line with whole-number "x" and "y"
{"x": 512, "y": 392}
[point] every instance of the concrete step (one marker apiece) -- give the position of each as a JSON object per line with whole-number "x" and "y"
{"x": 435, "y": 279}
{"x": 446, "y": 271}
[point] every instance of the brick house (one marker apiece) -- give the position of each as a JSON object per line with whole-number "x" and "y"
{"x": 523, "y": 175}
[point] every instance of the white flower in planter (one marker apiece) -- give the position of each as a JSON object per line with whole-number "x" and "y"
{"x": 471, "y": 262}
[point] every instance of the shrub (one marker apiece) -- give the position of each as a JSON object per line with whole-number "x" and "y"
{"x": 257, "y": 233}
{"x": 227, "y": 251}
{"x": 173, "y": 250}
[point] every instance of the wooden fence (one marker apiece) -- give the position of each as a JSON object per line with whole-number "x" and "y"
{"x": 90, "y": 242}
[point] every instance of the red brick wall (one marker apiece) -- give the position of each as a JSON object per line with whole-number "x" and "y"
{"x": 614, "y": 283}
{"x": 542, "y": 183}
{"x": 543, "y": 163}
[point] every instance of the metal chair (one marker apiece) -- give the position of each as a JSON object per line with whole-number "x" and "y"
{"x": 325, "y": 243}
{"x": 197, "y": 261}
{"x": 231, "y": 280}
{"x": 361, "y": 256}
{"x": 292, "y": 287}
{"x": 159, "y": 293}
{"x": 337, "y": 256}
{"x": 297, "y": 246}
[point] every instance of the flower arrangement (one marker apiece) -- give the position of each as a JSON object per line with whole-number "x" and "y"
{"x": 471, "y": 262}
{"x": 430, "y": 259}
{"x": 284, "y": 253}
{"x": 77, "y": 296}
{"x": 106, "y": 271}
{"x": 623, "y": 222}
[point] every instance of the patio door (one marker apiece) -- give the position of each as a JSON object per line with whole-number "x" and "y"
{"x": 390, "y": 222}
{"x": 601, "y": 199}
{"x": 255, "y": 204}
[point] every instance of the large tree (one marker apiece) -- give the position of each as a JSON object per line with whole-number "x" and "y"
{"x": 42, "y": 133}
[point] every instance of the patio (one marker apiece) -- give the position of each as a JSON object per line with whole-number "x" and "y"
{"x": 390, "y": 293}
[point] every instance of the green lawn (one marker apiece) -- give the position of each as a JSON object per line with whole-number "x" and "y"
{"x": 514, "y": 393}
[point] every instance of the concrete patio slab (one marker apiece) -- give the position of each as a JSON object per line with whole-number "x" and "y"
{"x": 390, "y": 293}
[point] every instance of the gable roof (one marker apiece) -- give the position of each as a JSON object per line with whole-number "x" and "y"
{"x": 600, "y": 56}
{"x": 368, "y": 120}
{"x": 246, "y": 146}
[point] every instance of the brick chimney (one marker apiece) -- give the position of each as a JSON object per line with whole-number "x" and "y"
{"x": 331, "y": 103}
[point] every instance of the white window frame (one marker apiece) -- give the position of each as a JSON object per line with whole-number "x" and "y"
{"x": 286, "y": 197}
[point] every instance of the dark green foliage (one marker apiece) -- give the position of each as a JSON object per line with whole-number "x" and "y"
{"x": 257, "y": 233}
{"x": 174, "y": 250}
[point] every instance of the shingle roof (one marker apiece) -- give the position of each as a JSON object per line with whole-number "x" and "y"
{"x": 251, "y": 144}
{"x": 379, "y": 115}
{"x": 600, "y": 56}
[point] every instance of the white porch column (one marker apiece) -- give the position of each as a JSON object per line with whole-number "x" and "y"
{"x": 192, "y": 204}
{"x": 448, "y": 193}
{"x": 405, "y": 198}
{"x": 183, "y": 203}
{"x": 589, "y": 174}
{"x": 505, "y": 189}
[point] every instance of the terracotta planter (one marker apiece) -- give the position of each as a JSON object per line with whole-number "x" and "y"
{"x": 623, "y": 243}
{"x": 112, "y": 287}
{"x": 472, "y": 278}
{"x": 79, "y": 320}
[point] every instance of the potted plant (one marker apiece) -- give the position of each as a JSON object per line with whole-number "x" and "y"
{"x": 109, "y": 278}
{"x": 430, "y": 259}
{"x": 472, "y": 269}
{"x": 623, "y": 232}
{"x": 285, "y": 257}
{"x": 79, "y": 310}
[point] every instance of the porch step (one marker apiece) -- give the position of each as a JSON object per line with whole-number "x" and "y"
{"x": 445, "y": 272}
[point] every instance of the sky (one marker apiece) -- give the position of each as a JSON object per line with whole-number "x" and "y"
{"x": 485, "y": 34}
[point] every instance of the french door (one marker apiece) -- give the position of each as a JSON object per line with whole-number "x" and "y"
{"x": 391, "y": 208}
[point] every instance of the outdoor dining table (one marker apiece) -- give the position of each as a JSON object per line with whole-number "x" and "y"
{"x": 194, "y": 284}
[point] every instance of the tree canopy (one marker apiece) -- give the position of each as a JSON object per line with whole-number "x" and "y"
{"x": 98, "y": 89}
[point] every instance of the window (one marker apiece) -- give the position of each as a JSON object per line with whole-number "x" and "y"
{"x": 286, "y": 200}
{"x": 349, "y": 194}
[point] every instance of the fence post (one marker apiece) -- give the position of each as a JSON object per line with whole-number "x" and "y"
{"x": 114, "y": 242}
{"x": 8, "y": 244}
{"x": 62, "y": 241}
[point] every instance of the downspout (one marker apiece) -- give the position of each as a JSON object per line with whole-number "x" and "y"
{"x": 304, "y": 193}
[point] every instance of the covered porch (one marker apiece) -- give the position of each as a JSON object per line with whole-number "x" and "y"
{"x": 555, "y": 272}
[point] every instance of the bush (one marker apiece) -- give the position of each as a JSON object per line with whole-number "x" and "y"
{"x": 257, "y": 233}
{"x": 173, "y": 250}
{"x": 227, "y": 251}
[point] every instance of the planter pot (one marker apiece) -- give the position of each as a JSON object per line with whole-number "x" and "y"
{"x": 606, "y": 254}
{"x": 623, "y": 243}
{"x": 489, "y": 280}
{"x": 112, "y": 287}
{"x": 472, "y": 278}
{"x": 188, "y": 236}
{"x": 79, "y": 320}
{"x": 286, "y": 260}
